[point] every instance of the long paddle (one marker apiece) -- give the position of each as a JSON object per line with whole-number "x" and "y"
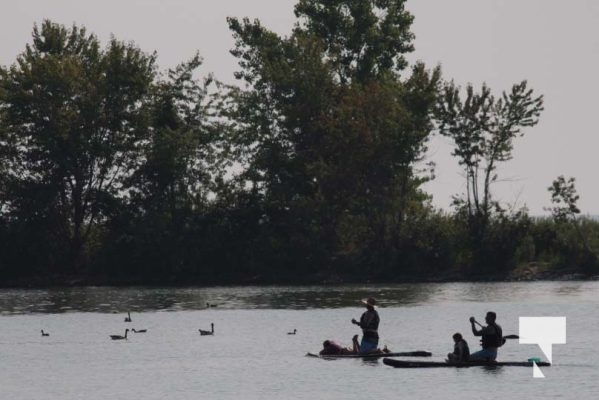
{"x": 505, "y": 337}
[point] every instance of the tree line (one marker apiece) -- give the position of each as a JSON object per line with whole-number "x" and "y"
{"x": 310, "y": 169}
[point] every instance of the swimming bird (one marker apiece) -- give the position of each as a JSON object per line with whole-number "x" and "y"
{"x": 119, "y": 337}
{"x": 206, "y": 333}
{"x": 128, "y": 317}
{"x": 140, "y": 330}
{"x": 45, "y": 333}
{"x": 208, "y": 305}
{"x": 292, "y": 333}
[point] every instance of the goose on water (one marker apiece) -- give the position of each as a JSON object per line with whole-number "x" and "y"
{"x": 206, "y": 333}
{"x": 139, "y": 330}
{"x": 292, "y": 333}
{"x": 119, "y": 337}
{"x": 45, "y": 333}
{"x": 128, "y": 317}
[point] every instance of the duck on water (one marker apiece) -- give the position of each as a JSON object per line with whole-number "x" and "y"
{"x": 119, "y": 337}
{"x": 208, "y": 333}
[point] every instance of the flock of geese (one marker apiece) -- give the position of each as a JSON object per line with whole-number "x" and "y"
{"x": 128, "y": 319}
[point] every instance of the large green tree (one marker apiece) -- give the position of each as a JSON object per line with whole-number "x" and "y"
{"x": 362, "y": 38}
{"x": 330, "y": 130}
{"x": 177, "y": 179}
{"x": 70, "y": 114}
{"x": 181, "y": 148}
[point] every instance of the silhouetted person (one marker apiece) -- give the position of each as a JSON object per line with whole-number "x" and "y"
{"x": 331, "y": 348}
{"x": 461, "y": 352}
{"x": 491, "y": 338}
{"x": 369, "y": 322}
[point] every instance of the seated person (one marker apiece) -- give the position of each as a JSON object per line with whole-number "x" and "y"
{"x": 330, "y": 348}
{"x": 461, "y": 352}
{"x": 491, "y": 338}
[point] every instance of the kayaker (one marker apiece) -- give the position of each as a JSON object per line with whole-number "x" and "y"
{"x": 461, "y": 352}
{"x": 492, "y": 338}
{"x": 369, "y": 322}
{"x": 331, "y": 348}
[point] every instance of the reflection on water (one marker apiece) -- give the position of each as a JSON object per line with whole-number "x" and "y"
{"x": 493, "y": 370}
{"x": 569, "y": 289}
{"x": 108, "y": 299}
{"x": 117, "y": 300}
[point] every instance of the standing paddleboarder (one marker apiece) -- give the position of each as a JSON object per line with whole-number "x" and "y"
{"x": 369, "y": 322}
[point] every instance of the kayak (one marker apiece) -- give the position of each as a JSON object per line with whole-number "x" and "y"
{"x": 441, "y": 364}
{"x": 373, "y": 355}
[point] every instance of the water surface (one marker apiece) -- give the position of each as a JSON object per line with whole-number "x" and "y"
{"x": 252, "y": 357}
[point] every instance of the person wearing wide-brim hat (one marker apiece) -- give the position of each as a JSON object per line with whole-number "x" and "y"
{"x": 369, "y": 322}
{"x": 369, "y": 302}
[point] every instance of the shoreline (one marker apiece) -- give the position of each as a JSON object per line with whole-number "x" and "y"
{"x": 528, "y": 274}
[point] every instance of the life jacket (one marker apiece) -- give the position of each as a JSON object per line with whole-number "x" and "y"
{"x": 493, "y": 340}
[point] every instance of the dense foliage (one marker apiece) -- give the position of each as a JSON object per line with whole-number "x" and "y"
{"x": 310, "y": 170}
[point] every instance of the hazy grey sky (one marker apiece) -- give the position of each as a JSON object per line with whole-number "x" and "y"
{"x": 553, "y": 44}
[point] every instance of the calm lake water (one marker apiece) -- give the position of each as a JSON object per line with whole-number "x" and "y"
{"x": 252, "y": 357}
